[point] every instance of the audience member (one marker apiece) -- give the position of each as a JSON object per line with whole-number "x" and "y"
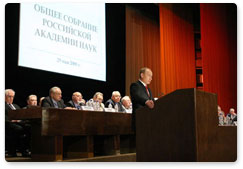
{"x": 127, "y": 104}
{"x": 115, "y": 101}
{"x": 231, "y": 117}
{"x": 221, "y": 116}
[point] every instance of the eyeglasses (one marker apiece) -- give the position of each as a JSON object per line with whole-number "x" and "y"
{"x": 11, "y": 96}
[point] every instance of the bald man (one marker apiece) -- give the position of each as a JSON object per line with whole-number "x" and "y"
{"x": 76, "y": 101}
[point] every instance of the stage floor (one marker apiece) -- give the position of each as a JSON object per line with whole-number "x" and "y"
{"x": 130, "y": 157}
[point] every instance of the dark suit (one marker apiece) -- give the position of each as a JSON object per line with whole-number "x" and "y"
{"x": 47, "y": 102}
{"x": 17, "y": 134}
{"x": 71, "y": 104}
{"x": 7, "y": 108}
{"x": 139, "y": 96}
{"x": 110, "y": 101}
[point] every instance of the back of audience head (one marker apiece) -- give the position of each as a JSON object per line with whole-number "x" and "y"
{"x": 9, "y": 96}
{"x": 116, "y": 96}
{"x": 32, "y": 100}
{"x": 55, "y": 93}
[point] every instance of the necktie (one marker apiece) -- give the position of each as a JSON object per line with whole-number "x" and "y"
{"x": 12, "y": 107}
{"x": 55, "y": 105}
{"x": 147, "y": 90}
{"x": 78, "y": 107}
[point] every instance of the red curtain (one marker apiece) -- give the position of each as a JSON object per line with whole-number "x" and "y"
{"x": 177, "y": 47}
{"x": 219, "y": 52}
{"x": 142, "y": 48}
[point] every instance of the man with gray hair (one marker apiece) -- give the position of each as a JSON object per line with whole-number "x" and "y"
{"x": 96, "y": 102}
{"x": 15, "y": 132}
{"x": 98, "y": 97}
{"x": 231, "y": 117}
{"x": 115, "y": 101}
{"x": 127, "y": 104}
{"x": 9, "y": 97}
{"x": 54, "y": 99}
{"x": 31, "y": 101}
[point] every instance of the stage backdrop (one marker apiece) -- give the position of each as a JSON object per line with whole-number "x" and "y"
{"x": 177, "y": 47}
{"x": 142, "y": 45}
{"x": 171, "y": 56}
{"x": 219, "y": 52}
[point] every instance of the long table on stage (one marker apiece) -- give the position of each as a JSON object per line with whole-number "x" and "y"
{"x": 51, "y": 128}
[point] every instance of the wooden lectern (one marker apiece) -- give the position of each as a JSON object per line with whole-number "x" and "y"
{"x": 183, "y": 127}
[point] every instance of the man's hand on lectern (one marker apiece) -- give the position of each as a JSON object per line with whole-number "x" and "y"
{"x": 150, "y": 103}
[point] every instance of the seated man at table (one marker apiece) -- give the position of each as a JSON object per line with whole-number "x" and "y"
{"x": 127, "y": 104}
{"x": 115, "y": 101}
{"x": 77, "y": 101}
{"x": 31, "y": 101}
{"x": 54, "y": 99}
{"x": 16, "y": 135}
{"x": 97, "y": 98}
{"x": 231, "y": 117}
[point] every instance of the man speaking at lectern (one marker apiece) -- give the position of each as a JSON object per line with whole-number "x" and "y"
{"x": 140, "y": 93}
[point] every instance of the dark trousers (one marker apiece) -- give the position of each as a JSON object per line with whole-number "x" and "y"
{"x": 17, "y": 137}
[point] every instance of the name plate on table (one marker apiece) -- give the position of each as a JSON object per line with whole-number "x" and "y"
{"x": 110, "y": 110}
{"x": 87, "y": 108}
